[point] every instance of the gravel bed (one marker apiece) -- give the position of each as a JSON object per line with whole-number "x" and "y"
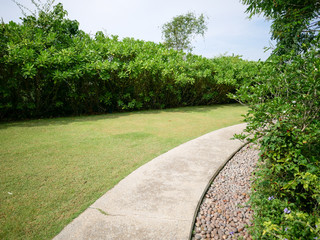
{"x": 224, "y": 212}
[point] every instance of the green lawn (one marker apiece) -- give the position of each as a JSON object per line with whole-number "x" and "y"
{"x": 52, "y": 170}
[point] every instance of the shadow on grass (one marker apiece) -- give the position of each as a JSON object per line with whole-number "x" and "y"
{"x": 73, "y": 119}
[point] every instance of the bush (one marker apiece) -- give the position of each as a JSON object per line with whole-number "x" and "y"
{"x": 234, "y": 70}
{"x": 284, "y": 119}
{"x": 50, "y": 68}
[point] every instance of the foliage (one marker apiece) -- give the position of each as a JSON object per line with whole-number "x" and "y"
{"x": 234, "y": 70}
{"x": 48, "y": 67}
{"x": 179, "y": 32}
{"x": 295, "y": 23}
{"x": 38, "y": 4}
{"x": 30, "y": 54}
{"x": 280, "y": 219}
{"x": 284, "y": 119}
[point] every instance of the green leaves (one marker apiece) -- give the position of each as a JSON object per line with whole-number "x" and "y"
{"x": 179, "y": 32}
{"x": 50, "y": 68}
{"x": 233, "y": 70}
{"x": 284, "y": 119}
{"x": 295, "y": 24}
{"x": 28, "y": 70}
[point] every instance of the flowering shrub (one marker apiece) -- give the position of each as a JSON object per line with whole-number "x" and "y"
{"x": 284, "y": 119}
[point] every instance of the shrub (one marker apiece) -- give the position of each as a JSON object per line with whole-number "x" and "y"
{"x": 234, "y": 70}
{"x": 50, "y": 68}
{"x": 284, "y": 119}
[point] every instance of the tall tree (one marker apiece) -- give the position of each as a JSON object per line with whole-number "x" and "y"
{"x": 182, "y": 29}
{"x": 295, "y": 23}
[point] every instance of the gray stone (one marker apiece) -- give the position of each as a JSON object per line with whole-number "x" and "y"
{"x": 198, "y": 236}
{"x": 227, "y": 193}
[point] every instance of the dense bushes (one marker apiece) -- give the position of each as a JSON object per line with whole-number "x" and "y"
{"x": 285, "y": 119}
{"x": 234, "y": 70}
{"x": 49, "y": 68}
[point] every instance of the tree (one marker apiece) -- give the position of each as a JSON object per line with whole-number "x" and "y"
{"x": 295, "y": 23}
{"x": 179, "y": 32}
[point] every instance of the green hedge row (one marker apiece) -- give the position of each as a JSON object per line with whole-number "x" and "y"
{"x": 48, "y": 67}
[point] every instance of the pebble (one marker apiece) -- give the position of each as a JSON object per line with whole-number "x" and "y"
{"x": 198, "y": 236}
{"x": 225, "y": 212}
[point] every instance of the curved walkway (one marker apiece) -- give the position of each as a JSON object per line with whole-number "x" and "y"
{"x": 158, "y": 200}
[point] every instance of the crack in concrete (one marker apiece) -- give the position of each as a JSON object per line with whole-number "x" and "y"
{"x": 137, "y": 215}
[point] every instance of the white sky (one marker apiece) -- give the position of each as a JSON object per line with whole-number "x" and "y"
{"x": 229, "y": 29}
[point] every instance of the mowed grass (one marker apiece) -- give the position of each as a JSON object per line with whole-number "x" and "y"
{"x": 51, "y": 170}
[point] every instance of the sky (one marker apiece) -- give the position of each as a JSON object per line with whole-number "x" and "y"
{"x": 229, "y": 29}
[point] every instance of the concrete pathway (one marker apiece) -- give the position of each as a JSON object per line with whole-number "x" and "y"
{"x": 158, "y": 200}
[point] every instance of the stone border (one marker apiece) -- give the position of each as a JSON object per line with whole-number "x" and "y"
{"x": 208, "y": 186}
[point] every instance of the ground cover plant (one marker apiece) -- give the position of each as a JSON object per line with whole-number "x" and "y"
{"x": 284, "y": 118}
{"x": 53, "y": 169}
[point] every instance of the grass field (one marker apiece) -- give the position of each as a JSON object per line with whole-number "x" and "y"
{"x": 51, "y": 170}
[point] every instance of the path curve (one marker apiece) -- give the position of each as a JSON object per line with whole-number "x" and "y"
{"x": 158, "y": 200}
